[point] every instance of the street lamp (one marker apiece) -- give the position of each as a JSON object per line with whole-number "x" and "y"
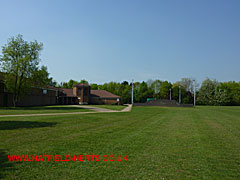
{"x": 170, "y": 93}
{"x": 194, "y": 93}
{"x": 179, "y": 95}
{"x": 132, "y": 92}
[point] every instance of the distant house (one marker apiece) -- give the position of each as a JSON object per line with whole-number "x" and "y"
{"x": 83, "y": 94}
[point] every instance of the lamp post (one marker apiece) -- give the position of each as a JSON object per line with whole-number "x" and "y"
{"x": 132, "y": 92}
{"x": 170, "y": 94}
{"x": 194, "y": 93}
{"x": 179, "y": 95}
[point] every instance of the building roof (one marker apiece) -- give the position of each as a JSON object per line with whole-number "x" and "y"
{"x": 68, "y": 92}
{"x": 53, "y": 88}
{"x": 93, "y": 93}
{"x": 81, "y": 84}
{"x": 103, "y": 94}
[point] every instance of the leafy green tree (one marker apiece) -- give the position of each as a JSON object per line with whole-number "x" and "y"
{"x": 187, "y": 84}
{"x": 71, "y": 83}
{"x": 41, "y": 77}
{"x": 186, "y": 98}
{"x": 126, "y": 93}
{"x": 20, "y": 61}
{"x": 149, "y": 82}
{"x": 124, "y": 83}
{"x": 64, "y": 85}
{"x": 142, "y": 92}
{"x": 215, "y": 93}
{"x": 232, "y": 89}
{"x": 83, "y": 81}
{"x": 207, "y": 92}
{"x": 113, "y": 87}
{"x": 165, "y": 89}
{"x": 94, "y": 86}
{"x": 175, "y": 92}
{"x": 155, "y": 88}
{"x": 221, "y": 97}
{"x": 53, "y": 82}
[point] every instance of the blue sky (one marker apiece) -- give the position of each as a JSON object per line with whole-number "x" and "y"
{"x": 110, "y": 40}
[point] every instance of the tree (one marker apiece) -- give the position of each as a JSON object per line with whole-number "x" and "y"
{"x": 53, "y": 82}
{"x": 215, "y": 93}
{"x": 126, "y": 93}
{"x": 64, "y": 85}
{"x": 124, "y": 83}
{"x": 94, "y": 86}
{"x": 165, "y": 89}
{"x": 155, "y": 88}
{"x": 141, "y": 93}
{"x": 175, "y": 92}
{"x": 83, "y": 81}
{"x": 41, "y": 78}
{"x": 207, "y": 92}
{"x": 187, "y": 84}
{"x": 232, "y": 90}
{"x": 20, "y": 61}
{"x": 186, "y": 96}
{"x": 221, "y": 97}
{"x": 71, "y": 83}
{"x": 149, "y": 82}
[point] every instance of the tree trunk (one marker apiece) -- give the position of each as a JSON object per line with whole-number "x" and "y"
{"x": 19, "y": 88}
{"x": 15, "y": 91}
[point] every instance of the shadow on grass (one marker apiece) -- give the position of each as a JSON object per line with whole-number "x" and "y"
{"x": 42, "y": 108}
{"x": 9, "y": 125}
{"x": 5, "y": 165}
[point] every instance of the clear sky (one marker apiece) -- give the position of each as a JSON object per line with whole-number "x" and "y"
{"x": 116, "y": 40}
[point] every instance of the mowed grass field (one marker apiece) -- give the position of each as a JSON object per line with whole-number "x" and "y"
{"x": 40, "y": 109}
{"x": 111, "y": 107}
{"x": 161, "y": 143}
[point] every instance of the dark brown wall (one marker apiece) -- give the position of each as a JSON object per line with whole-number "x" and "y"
{"x": 1, "y": 87}
{"x": 1, "y": 94}
{"x": 67, "y": 100}
{"x": 37, "y": 101}
{"x": 95, "y": 100}
{"x": 34, "y": 98}
{"x": 6, "y": 99}
{"x": 38, "y": 98}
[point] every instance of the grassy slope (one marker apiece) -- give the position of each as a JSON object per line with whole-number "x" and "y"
{"x": 112, "y": 107}
{"x": 40, "y": 109}
{"x": 169, "y": 143}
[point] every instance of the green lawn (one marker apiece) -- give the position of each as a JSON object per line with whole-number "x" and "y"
{"x": 161, "y": 143}
{"x": 112, "y": 107}
{"x": 40, "y": 109}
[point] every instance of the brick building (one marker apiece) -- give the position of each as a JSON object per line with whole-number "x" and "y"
{"x": 37, "y": 97}
{"x": 79, "y": 94}
{"x": 84, "y": 95}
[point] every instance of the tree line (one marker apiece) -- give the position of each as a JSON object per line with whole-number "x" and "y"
{"x": 211, "y": 92}
{"x": 20, "y": 71}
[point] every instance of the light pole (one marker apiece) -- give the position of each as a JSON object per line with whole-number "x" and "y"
{"x": 132, "y": 92}
{"x": 194, "y": 91}
{"x": 179, "y": 95}
{"x": 170, "y": 94}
